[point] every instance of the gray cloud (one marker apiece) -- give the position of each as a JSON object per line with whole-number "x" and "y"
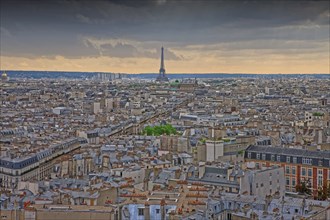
{"x": 5, "y": 32}
{"x": 48, "y": 28}
{"x": 84, "y": 19}
{"x": 128, "y": 48}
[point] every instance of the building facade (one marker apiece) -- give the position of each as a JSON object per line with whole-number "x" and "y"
{"x": 311, "y": 167}
{"x": 36, "y": 166}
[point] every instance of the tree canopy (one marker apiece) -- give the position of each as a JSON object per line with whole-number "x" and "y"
{"x": 159, "y": 130}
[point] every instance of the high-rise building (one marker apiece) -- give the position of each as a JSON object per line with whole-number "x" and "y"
{"x": 162, "y": 75}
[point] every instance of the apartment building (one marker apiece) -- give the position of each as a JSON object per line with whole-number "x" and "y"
{"x": 35, "y": 166}
{"x": 311, "y": 167}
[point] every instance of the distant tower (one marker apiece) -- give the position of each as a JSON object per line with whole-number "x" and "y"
{"x": 162, "y": 76}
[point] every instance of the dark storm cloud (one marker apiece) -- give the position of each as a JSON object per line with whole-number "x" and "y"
{"x": 44, "y": 28}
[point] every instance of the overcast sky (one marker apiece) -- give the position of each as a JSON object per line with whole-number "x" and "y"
{"x": 198, "y": 36}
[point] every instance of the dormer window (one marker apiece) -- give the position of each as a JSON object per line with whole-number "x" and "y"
{"x": 294, "y": 159}
{"x": 288, "y": 159}
{"x": 273, "y": 157}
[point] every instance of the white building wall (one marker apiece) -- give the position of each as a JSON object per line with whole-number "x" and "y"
{"x": 109, "y": 104}
{"x": 214, "y": 149}
{"x": 263, "y": 182}
{"x": 97, "y": 108}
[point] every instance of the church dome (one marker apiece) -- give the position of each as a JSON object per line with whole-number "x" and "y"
{"x": 4, "y": 76}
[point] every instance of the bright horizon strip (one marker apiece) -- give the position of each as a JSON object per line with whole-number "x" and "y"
{"x": 145, "y": 65}
{"x": 188, "y": 73}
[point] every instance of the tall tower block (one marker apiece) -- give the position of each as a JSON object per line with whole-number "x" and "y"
{"x": 162, "y": 75}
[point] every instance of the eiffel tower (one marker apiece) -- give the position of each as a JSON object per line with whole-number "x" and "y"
{"x": 162, "y": 75}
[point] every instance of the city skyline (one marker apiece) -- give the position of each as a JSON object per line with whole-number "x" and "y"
{"x": 198, "y": 37}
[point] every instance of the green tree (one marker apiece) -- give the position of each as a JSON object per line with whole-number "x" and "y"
{"x": 240, "y": 152}
{"x": 320, "y": 193}
{"x": 303, "y": 188}
{"x": 160, "y": 130}
{"x": 148, "y": 131}
{"x": 318, "y": 114}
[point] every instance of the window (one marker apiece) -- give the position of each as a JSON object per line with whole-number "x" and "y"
{"x": 307, "y": 161}
{"x": 141, "y": 212}
{"x": 294, "y": 159}
{"x": 320, "y": 163}
{"x": 287, "y": 170}
{"x": 157, "y": 211}
{"x": 320, "y": 172}
{"x": 293, "y": 182}
{"x": 257, "y": 185}
{"x": 294, "y": 170}
{"x": 263, "y": 156}
{"x": 303, "y": 171}
{"x": 273, "y": 157}
{"x": 288, "y": 159}
{"x": 310, "y": 172}
{"x": 278, "y": 158}
{"x": 258, "y": 156}
{"x": 249, "y": 155}
{"x": 270, "y": 182}
{"x": 287, "y": 181}
{"x": 320, "y": 180}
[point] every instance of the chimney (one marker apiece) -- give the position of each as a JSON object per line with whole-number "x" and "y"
{"x": 70, "y": 168}
{"x": 177, "y": 174}
{"x": 156, "y": 172}
{"x": 146, "y": 184}
{"x": 146, "y": 210}
{"x": 162, "y": 209}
